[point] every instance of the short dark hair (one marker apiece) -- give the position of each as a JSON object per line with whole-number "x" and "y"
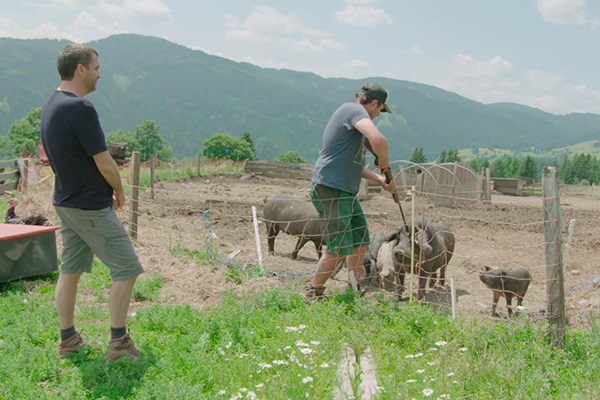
{"x": 70, "y": 57}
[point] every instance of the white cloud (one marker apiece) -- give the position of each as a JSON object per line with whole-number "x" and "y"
{"x": 10, "y": 28}
{"x": 414, "y": 50}
{"x": 363, "y": 17}
{"x": 563, "y": 11}
{"x": 471, "y": 68}
{"x": 145, "y": 12}
{"x": 332, "y": 44}
{"x": 59, "y": 4}
{"x": 87, "y": 27}
{"x": 362, "y": 2}
{"x": 267, "y": 25}
{"x": 496, "y": 80}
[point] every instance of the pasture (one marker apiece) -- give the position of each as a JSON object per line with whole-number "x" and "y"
{"x": 230, "y": 317}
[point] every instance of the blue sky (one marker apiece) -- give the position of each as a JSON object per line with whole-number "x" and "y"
{"x": 541, "y": 53}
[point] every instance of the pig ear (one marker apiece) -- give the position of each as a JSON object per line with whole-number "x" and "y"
{"x": 394, "y": 234}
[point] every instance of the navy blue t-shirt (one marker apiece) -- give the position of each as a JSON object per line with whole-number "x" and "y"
{"x": 71, "y": 135}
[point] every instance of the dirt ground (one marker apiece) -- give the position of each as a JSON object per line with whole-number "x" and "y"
{"x": 213, "y": 214}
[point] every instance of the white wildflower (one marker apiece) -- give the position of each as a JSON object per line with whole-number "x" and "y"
{"x": 324, "y": 365}
{"x": 307, "y": 379}
{"x": 306, "y": 351}
{"x": 441, "y": 343}
{"x": 264, "y": 365}
{"x": 427, "y": 392}
{"x": 420, "y": 371}
{"x": 315, "y": 342}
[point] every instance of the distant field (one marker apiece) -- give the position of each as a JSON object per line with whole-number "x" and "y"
{"x": 591, "y": 147}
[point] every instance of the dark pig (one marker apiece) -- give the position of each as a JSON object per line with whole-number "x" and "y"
{"x": 294, "y": 217}
{"x": 370, "y": 262}
{"x": 506, "y": 284}
{"x": 433, "y": 249}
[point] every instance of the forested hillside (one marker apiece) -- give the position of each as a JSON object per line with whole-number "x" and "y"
{"x": 193, "y": 95}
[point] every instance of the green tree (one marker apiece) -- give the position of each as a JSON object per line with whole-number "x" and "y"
{"x": 23, "y": 134}
{"x": 528, "y": 168}
{"x": 248, "y": 139}
{"x": 448, "y": 156}
{"x": 443, "y": 156}
{"x": 474, "y": 163}
{"x": 511, "y": 167}
{"x": 418, "y": 156}
{"x": 147, "y": 140}
{"x": 292, "y": 157}
{"x": 227, "y": 147}
{"x": 497, "y": 168}
{"x": 121, "y": 137}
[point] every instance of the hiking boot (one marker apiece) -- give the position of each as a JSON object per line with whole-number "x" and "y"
{"x": 312, "y": 294}
{"x": 71, "y": 345}
{"x": 118, "y": 346}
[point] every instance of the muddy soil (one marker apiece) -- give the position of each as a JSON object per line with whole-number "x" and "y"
{"x": 187, "y": 220}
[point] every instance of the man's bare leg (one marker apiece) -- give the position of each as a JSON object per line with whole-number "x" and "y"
{"x": 355, "y": 262}
{"x": 326, "y": 266}
{"x": 65, "y": 296}
{"x": 118, "y": 301}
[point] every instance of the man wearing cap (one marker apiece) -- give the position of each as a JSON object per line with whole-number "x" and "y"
{"x": 336, "y": 180}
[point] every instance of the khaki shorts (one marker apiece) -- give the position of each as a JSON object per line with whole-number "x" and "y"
{"x": 343, "y": 222}
{"x": 88, "y": 232}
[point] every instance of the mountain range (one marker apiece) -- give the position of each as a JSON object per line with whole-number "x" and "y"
{"x": 192, "y": 95}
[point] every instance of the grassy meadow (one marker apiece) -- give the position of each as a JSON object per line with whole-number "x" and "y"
{"x": 273, "y": 345}
{"x": 590, "y": 147}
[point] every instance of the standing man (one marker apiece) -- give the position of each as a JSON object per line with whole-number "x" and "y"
{"x": 336, "y": 181}
{"x": 88, "y": 189}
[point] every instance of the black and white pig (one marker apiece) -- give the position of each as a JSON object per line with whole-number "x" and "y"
{"x": 433, "y": 249}
{"x": 294, "y": 217}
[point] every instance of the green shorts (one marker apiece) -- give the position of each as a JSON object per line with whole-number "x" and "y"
{"x": 343, "y": 222}
{"x": 88, "y": 232}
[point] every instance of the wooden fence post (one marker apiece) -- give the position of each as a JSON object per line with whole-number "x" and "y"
{"x": 198, "y": 163}
{"x": 135, "y": 190}
{"x": 152, "y": 168}
{"x": 25, "y": 176}
{"x": 555, "y": 284}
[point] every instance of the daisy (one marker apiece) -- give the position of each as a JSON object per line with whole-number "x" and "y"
{"x": 307, "y": 379}
{"x": 427, "y": 392}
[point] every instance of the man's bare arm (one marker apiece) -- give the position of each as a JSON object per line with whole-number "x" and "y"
{"x": 109, "y": 170}
{"x": 378, "y": 142}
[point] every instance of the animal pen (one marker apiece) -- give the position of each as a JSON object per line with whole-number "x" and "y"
{"x": 199, "y": 234}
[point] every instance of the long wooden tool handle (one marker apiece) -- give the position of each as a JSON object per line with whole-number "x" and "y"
{"x": 388, "y": 179}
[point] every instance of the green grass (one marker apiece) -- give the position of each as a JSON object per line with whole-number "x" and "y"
{"x": 590, "y": 147}
{"x": 182, "y": 170}
{"x": 274, "y": 344}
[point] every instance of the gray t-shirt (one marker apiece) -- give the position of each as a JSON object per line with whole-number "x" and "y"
{"x": 342, "y": 156}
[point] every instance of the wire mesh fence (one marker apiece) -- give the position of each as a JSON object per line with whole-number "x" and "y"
{"x": 199, "y": 233}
